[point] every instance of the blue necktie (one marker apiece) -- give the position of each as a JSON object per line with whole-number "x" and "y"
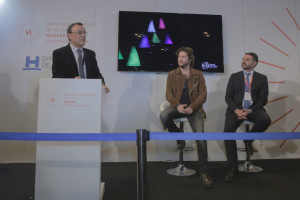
{"x": 247, "y": 89}
{"x": 80, "y": 64}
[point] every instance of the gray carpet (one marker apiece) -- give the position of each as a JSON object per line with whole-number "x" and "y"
{"x": 279, "y": 180}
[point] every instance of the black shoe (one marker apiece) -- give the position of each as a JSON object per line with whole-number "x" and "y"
{"x": 232, "y": 175}
{"x": 206, "y": 181}
{"x": 249, "y": 148}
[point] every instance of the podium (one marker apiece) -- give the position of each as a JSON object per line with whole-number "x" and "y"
{"x": 69, "y": 170}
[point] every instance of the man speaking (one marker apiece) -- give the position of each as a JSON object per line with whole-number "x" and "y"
{"x": 74, "y": 61}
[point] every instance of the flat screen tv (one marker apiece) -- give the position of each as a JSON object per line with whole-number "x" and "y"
{"x": 147, "y": 41}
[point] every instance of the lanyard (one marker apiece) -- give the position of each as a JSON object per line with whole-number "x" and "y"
{"x": 248, "y": 85}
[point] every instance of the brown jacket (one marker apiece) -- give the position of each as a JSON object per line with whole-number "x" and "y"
{"x": 197, "y": 88}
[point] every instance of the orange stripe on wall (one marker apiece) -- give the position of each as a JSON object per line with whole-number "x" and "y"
{"x": 271, "y": 64}
{"x": 274, "y": 47}
{"x": 291, "y": 131}
{"x": 287, "y": 37}
{"x": 277, "y": 99}
{"x": 276, "y": 82}
{"x": 293, "y": 18}
{"x": 281, "y": 117}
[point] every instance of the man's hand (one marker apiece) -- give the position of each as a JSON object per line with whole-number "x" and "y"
{"x": 181, "y": 108}
{"x": 247, "y": 111}
{"x": 106, "y": 88}
{"x": 189, "y": 110}
{"x": 184, "y": 110}
{"x": 240, "y": 114}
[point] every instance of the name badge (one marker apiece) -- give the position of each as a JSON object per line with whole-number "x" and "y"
{"x": 247, "y": 96}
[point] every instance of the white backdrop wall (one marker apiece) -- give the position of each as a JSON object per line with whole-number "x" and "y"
{"x": 35, "y": 28}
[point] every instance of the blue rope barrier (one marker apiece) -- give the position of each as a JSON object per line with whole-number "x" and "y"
{"x": 68, "y": 136}
{"x": 224, "y": 136}
{"x": 153, "y": 136}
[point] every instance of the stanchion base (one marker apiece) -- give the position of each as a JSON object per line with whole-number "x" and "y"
{"x": 102, "y": 187}
{"x": 184, "y": 149}
{"x": 248, "y": 167}
{"x": 181, "y": 170}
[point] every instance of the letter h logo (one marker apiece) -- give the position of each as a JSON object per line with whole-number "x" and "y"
{"x": 35, "y": 62}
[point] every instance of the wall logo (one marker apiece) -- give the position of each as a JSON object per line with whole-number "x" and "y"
{"x": 32, "y": 64}
{"x": 29, "y": 32}
{"x": 206, "y": 65}
{"x": 38, "y": 62}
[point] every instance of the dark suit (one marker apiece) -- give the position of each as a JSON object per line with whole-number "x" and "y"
{"x": 234, "y": 99}
{"x": 64, "y": 64}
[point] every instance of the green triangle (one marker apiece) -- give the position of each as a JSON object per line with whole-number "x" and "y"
{"x": 120, "y": 55}
{"x": 155, "y": 39}
{"x": 133, "y": 60}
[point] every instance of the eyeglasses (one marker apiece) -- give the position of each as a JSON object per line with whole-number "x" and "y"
{"x": 80, "y": 32}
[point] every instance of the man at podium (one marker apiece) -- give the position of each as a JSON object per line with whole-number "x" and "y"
{"x": 74, "y": 61}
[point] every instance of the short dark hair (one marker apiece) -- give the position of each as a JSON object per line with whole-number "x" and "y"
{"x": 69, "y": 29}
{"x": 254, "y": 56}
{"x": 189, "y": 52}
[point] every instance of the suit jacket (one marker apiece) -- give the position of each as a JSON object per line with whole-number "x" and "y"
{"x": 196, "y": 86}
{"x": 64, "y": 64}
{"x": 236, "y": 89}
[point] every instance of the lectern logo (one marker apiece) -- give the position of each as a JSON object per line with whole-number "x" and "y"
{"x": 52, "y": 99}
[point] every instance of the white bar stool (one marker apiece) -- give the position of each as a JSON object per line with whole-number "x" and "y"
{"x": 180, "y": 170}
{"x": 248, "y": 166}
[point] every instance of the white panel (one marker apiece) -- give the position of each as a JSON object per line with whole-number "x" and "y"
{"x": 68, "y": 170}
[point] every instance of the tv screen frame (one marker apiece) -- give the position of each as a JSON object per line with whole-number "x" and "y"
{"x": 147, "y": 41}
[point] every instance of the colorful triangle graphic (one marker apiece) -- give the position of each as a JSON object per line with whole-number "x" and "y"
{"x": 151, "y": 28}
{"x": 161, "y": 24}
{"x": 145, "y": 42}
{"x": 120, "y": 56}
{"x": 134, "y": 60}
{"x": 155, "y": 39}
{"x": 168, "y": 39}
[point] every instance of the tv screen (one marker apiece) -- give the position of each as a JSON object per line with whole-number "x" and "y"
{"x": 147, "y": 41}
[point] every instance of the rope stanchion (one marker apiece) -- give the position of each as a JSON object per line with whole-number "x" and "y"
{"x": 142, "y": 138}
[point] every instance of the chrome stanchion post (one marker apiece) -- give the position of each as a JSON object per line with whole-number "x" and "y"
{"x": 142, "y": 138}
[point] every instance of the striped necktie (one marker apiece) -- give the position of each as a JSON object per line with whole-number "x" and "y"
{"x": 80, "y": 64}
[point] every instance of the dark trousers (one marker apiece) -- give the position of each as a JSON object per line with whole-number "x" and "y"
{"x": 261, "y": 121}
{"x": 196, "y": 120}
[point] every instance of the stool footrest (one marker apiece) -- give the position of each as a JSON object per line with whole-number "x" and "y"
{"x": 244, "y": 150}
{"x": 184, "y": 149}
{"x": 181, "y": 170}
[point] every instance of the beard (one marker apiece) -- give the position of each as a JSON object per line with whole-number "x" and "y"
{"x": 247, "y": 67}
{"x": 183, "y": 65}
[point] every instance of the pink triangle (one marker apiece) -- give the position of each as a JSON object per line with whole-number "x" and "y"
{"x": 161, "y": 24}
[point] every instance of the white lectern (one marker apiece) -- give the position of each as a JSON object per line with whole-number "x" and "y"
{"x": 68, "y": 170}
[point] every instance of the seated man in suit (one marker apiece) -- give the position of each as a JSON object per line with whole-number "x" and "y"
{"x": 186, "y": 92}
{"x": 246, "y": 95}
{"x": 74, "y": 61}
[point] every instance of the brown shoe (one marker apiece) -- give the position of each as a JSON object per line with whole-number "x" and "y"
{"x": 206, "y": 181}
